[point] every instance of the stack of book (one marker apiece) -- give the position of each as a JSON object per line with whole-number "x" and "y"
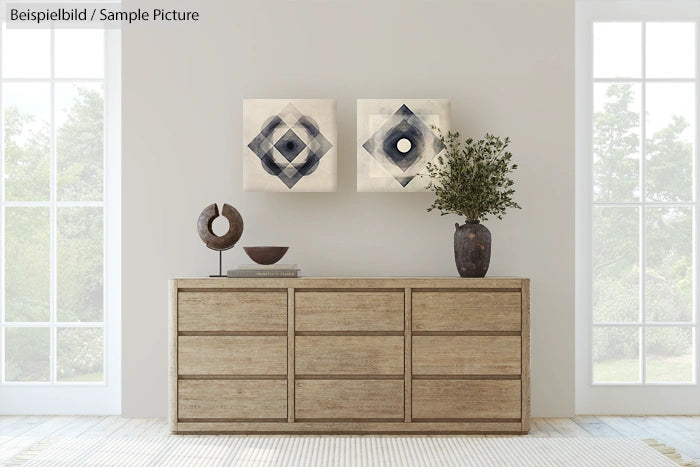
{"x": 260, "y": 270}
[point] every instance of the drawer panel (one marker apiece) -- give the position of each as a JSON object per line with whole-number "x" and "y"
{"x": 466, "y": 311}
{"x": 466, "y": 355}
{"x": 349, "y": 399}
{"x": 451, "y": 399}
{"x": 232, "y": 355}
{"x": 349, "y": 311}
{"x": 349, "y": 355}
{"x": 232, "y": 311}
{"x": 232, "y": 399}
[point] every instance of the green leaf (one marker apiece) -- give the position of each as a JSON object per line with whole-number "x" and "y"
{"x": 470, "y": 178}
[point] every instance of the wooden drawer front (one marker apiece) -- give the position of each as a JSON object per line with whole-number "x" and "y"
{"x": 466, "y": 311}
{"x": 466, "y": 355}
{"x": 349, "y": 399}
{"x": 349, "y": 355}
{"x": 232, "y": 355}
{"x": 233, "y": 399}
{"x": 445, "y": 399}
{"x": 232, "y": 311}
{"x": 349, "y": 311}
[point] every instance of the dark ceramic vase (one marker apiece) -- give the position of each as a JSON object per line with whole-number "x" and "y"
{"x": 472, "y": 249}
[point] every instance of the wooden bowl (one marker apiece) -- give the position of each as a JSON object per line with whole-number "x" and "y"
{"x": 265, "y": 254}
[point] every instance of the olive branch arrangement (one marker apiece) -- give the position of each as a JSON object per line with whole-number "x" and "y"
{"x": 471, "y": 178}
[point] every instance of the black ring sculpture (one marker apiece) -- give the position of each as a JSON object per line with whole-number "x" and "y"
{"x": 223, "y": 242}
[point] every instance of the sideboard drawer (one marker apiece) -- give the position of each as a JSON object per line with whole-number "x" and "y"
{"x": 466, "y": 311}
{"x": 349, "y": 355}
{"x": 232, "y": 355}
{"x": 466, "y": 399}
{"x": 349, "y": 399}
{"x": 466, "y": 355}
{"x": 232, "y": 399}
{"x": 232, "y": 311}
{"x": 349, "y": 311}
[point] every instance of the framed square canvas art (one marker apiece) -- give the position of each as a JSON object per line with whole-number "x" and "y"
{"x": 395, "y": 141}
{"x": 289, "y": 145}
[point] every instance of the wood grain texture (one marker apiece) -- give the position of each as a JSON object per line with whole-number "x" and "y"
{"x": 466, "y": 355}
{"x": 407, "y": 365}
{"x": 340, "y": 427}
{"x": 352, "y": 283}
{"x": 348, "y": 355}
{"x": 290, "y": 354}
{"x": 232, "y": 311}
{"x": 466, "y": 311}
{"x": 351, "y": 399}
{"x": 212, "y": 399}
{"x": 353, "y": 351}
{"x": 172, "y": 354}
{"x": 349, "y": 311}
{"x": 478, "y": 399}
{"x": 525, "y": 353}
{"x": 232, "y": 355}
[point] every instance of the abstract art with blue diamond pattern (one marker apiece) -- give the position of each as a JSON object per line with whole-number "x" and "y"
{"x": 395, "y": 141}
{"x": 289, "y": 145}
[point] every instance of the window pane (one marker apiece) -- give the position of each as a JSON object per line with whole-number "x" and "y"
{"x": 79, "y": 53}
{"x": 27, "y": 354}
{"x": 669, "y": 265}
{"x": 79, "y": 354}
{"x": 26, "y": 53}
{"x": 615, "y": 355}
{"x": 670, "y": 50}
{"x": 670, "y": 141}
{"x": 616, "y": 136}
{"x": 669, "y": 355}
{"x": 615, "y": 264}
{"x": 617, "y": 50}
{"x": 27, "y": 278}
{"x": 80, "y": 264}
{"x": 79, "y": 145}
{"x": 26, "y": 118}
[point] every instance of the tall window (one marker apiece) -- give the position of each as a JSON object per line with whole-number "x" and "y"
{"x": 59, "y": 220}
{"x": 637, "y": 234}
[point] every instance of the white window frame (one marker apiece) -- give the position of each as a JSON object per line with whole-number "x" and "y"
{"x": 80, "y": 398}
{"x": 621, "y": 398}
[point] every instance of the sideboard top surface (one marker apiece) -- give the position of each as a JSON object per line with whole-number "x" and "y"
{"x": 352, "y": 282}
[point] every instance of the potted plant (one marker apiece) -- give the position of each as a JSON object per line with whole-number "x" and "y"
{"x": 471, "y": 179}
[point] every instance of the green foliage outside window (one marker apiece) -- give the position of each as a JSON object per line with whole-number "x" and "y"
{"x": 79, "y": 240}
{"x": 668, "y": 271}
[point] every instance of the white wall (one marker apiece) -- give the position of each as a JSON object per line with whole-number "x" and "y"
{"x": 507, "y": 66}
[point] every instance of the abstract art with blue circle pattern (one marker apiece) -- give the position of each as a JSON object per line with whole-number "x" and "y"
{"x": 290, "y": 145}
{"x": 395, "y": 141}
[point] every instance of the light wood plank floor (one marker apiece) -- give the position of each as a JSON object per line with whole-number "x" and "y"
{"x": 18, "y": 433}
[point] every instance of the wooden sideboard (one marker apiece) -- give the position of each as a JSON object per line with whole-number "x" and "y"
{"x": 350, "y": 355}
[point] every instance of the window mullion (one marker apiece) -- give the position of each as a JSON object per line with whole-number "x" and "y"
{"x": 590, "y": 204}
{"x": 633, "y": 324}
{"x": 642, "y": 211}
{"x": 105, "y": 190}
{"x": 2, "y": 222}
{"x": 640, "y": 80}
{"x": 53, "y": 217}
{"x": 696, "y": 230}
{"x": 664, "y": 204}
{"x": 55, "y": 80}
